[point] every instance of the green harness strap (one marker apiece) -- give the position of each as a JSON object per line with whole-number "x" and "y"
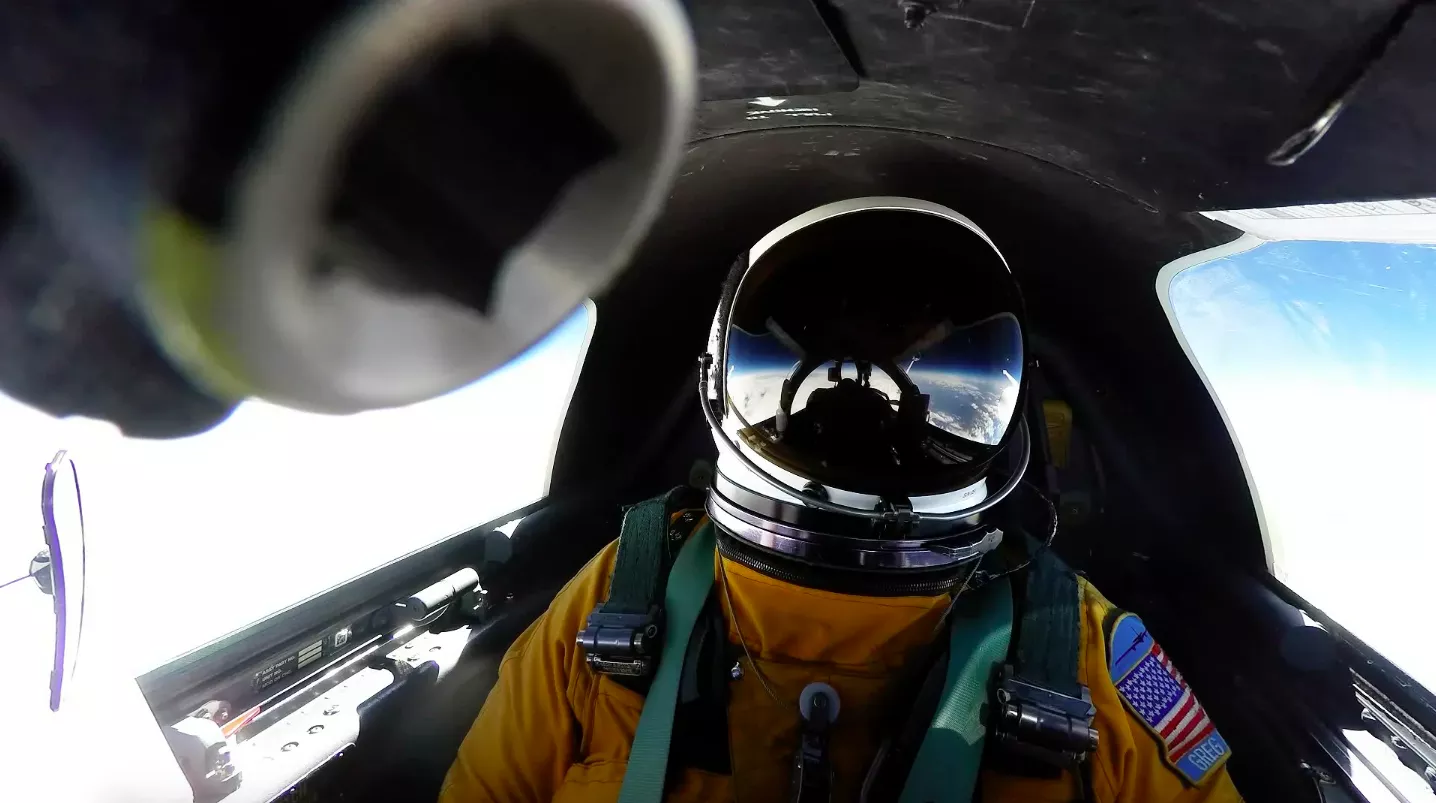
{"x": 638, "y": 566}
{"x": 688, "y": 585}
{"x": 947, "y": 763}
{"x": 1050, "y": 632}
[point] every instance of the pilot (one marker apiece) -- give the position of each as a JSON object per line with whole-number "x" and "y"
{"x": 861, "y": 604}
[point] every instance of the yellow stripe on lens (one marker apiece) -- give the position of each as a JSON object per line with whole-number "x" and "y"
{"x": 178, "y": 273}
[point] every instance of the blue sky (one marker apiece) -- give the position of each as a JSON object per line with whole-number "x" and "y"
{"x": 1322, "y": 356}
{"x": 568, "y": 336}
{"x": 1358, "y": 311}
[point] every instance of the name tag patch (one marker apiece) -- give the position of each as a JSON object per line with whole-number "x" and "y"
{"x": 1159, "y": 696}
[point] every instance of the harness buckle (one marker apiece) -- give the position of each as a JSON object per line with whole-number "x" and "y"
{"x": 621, "y": 644}
{"x": 899, "y": 519}
{"x": 1040, "y": 723}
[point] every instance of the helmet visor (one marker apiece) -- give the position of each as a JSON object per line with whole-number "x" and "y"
{"x": 878, "y": 352}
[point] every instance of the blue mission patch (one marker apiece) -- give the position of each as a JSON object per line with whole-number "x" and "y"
{"x": 1158, "y": 695}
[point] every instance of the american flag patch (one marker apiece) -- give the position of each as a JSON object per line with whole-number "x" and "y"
{"x": 1159, "y": 696}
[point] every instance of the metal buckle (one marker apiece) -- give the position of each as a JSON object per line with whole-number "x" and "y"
{"x": 898, "y": 520}
{"x": 622, "y": 644}
{"x": 1039, "y": 723}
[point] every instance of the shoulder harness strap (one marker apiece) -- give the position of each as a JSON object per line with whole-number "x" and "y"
{"x": 1041, "y": 718}
{"x": 1043, "y": 715}
{"x": 949, "y": 759}
{"x": 632, "y": 636}
{"x": 684, "y": 600}
{"x": 623, "y": 634}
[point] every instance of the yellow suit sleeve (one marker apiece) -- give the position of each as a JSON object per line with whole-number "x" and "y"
{"x": 526, "y": 736}
{"x": 1181, "y": 757}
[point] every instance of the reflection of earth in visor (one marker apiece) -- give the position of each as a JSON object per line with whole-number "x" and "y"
{"x": 944, "y": 401}
{"x": 897, "y": 335}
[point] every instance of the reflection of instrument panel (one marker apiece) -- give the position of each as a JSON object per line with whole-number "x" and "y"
{"x": 271, "y": 723}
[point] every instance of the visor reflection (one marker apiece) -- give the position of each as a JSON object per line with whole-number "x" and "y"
{"x": 963, "y": 380}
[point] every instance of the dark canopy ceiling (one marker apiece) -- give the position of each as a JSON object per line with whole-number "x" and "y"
{"x": 1177, "y": 104}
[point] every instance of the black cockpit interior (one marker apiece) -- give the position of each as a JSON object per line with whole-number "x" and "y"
{"x": 1085, "y": 137}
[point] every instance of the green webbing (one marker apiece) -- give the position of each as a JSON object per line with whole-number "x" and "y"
{"x": 947, "y": 763}
{"x": 1047, "y": 639}
{"x": 688, "y": 585}
{"x": 638, "y": 566}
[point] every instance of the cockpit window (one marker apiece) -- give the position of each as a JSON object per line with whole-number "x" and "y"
{"x": 193, "y": 538}
{"x": 1321, "y": 356}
